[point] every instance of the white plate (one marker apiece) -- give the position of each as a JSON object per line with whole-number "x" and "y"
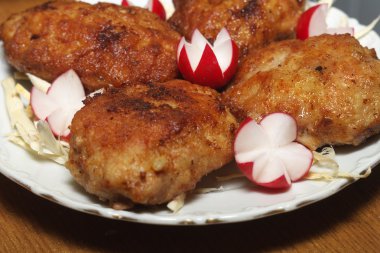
{"x": 240, "y": 201}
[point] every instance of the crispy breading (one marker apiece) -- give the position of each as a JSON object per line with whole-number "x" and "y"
{"x": 330, "y": 84}
{"x": 251, "y": 23}
{"x": 150, "y": 142}
{"x": 104, "y": 43}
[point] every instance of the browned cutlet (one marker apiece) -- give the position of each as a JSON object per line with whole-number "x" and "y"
{"x": 104, "y": 43}
{"x": 251, "y": 23}
{"x": 330, "y": 84}
{"x": 150, "y": 142}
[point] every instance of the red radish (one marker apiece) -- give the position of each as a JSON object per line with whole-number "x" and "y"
{"x": 206, "y": 64}
{"x": 154, "y": 6}
{"x": 42, "y": 104}
{"x": 313, "y": 23}
{"x": 267, "y": 153}
{"x": 60, "y": 103}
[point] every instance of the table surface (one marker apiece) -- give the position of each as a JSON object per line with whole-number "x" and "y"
{"x": 349, "y": 221}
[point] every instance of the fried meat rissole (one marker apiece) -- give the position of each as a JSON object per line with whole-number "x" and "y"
{"x": 330, "y": 84}
{"x": 251, "y": 23}
{"x": 104, "y": 43}
{"x": 150, "y": 142}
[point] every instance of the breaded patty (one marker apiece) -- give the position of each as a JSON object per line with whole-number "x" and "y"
{"x": 150, "y": 142}
{"x": 330, "y": 84}
{"x": 104, "y": 43}
{"x": 251, "y": 23}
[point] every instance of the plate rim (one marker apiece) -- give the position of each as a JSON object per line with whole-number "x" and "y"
{"x": 213, "y": 218}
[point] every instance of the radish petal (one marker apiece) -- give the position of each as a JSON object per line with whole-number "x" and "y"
{"x": 58, "y": 122}
{"x": 223, "y": 53}
{"x": 280, "y": 127}
{"x": 194, "y": 54}
{"x": 124, "y": 3}
{"x": 184, "y": 66}
{"x": 247, "y": 169}
{"x": 251, "y": 136}
{"x": 223, "y": 49}
{"x": 231, "y": 70}
{"x": 156, "y": 6}
{"x": 222, "y": 37}
{"x": 268, "y": 168}
{"x": 318, "y": 23}
{"x": 296, "y": 158}
{"x": 251, "y": 155}
{"x": 181, "y": 44}
{"x": 195, "y": 49}
{"x": 199, "y": 40}
{"x": 63, "y": 99}
{"x": 280, "y": 183}
{"x": 42, "y": 104}
{"x": 67, "y": 88}
{"x": 209, "y": 65}
{"x": 205, "y": 64}
{"x": 267, "y": 154}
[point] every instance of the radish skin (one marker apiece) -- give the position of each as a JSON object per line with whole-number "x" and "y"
{"x": 60, "y": 103}
{"x": 268, "y": 154}
{"x": 206, "y": 64}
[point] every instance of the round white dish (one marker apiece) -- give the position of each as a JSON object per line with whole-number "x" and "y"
{"x": 237, "y": 201}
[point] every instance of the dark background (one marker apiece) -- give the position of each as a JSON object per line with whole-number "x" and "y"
{"x": 363, "y": 10}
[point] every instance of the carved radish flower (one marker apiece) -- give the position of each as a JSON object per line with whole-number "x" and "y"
{"x": 313, "y": 23}
{"x": 206, "y": 64}
{"x": 58, "y": 106}
{"x": 267, "y": 153}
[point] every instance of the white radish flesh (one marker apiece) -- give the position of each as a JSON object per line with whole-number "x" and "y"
{"x": 42, "y": 105}
{"x": 318, "y": 25}
{"x": 62, "y": 101}
{"x": 295, "y": 158}
{"x": 280, "y": 127}
{"x": 267, "y": 154}
{"x": 255, "y": 134}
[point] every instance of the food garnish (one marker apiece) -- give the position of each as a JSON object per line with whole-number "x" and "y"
{"x": 39, "y": 83}
{"x": 206, "y": 64}
{"x": 272, "y": 159}
{"x": 267, "y": 153}
{"x": 313, "y": 23}
{"x": 326, "y": 168}
{"x": 154, "y": 6}
{"x": 35, "y": 137}
{"x": 326, "y": 158}
{"x": 59, "y": 104}
{"x": 177, "y": 203}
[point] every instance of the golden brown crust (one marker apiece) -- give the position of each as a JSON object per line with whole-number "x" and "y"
{"x": 330, "y": 84}
{"x": 104, "y": 43}
{"x": 251, "y": 23}
{"x": 150, "y": 142}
